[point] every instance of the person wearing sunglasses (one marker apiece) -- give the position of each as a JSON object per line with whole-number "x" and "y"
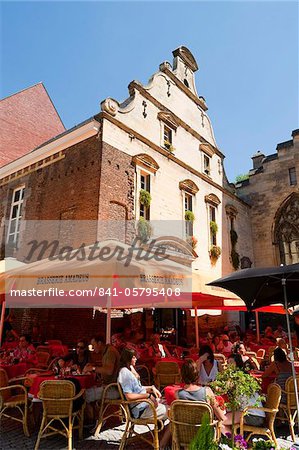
{"x": 80, "y": 357}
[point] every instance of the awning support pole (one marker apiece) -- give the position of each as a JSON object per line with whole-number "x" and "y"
{"x": 283, "y": 282}
{"x": 257, "y": 321}
{"x": 196, "y": 328}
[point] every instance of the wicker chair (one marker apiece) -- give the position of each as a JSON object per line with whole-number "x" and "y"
{"x": 43, "y": 348}
{"x": 42, "y": 359}
{"x": 288, "y": 410}
{"x": 221, "y": 358}
{"x": 251, "y": 354}
{"x": 144, "y": 373}
{"x": 58, "y": 400}
{"x": 260, "y": 355}
{"x": 270, "y": 408}
{"x": 185, "y": 418}
{"x": 131, "y": 421}
{"x": 36, "y": 370}
{"x": 166, "y": 372}
{"x": 9, "y": 400}
{"x": 54, "y": 342}
{"x": 110, "y": 407}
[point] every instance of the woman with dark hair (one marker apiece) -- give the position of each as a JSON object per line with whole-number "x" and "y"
{"x": 194, "y": 392}
{"x": 280, "y": 367}
{"x": 207, "y": 366}
{"x": 133, "y": 390}
{"x": 80, "y": 357}
{"x": 240, "y": 359}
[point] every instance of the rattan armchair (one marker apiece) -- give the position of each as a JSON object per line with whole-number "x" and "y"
{"x": 154, "y": 424}
{"x": 144, "y": 373}
{"x": 10, "y": 400}
{"x": 185, "y": 418}
{"x": 58, "y": 398}
{"x": 260, "y": 355}
{"x": 42, "y": 359}
{"x": 110, "y": 405}
{"x": 221, "y": 358}
{"x": 166, "y": 372}
{"x": 270, "y": 408}
{"x": 288, "y": 408}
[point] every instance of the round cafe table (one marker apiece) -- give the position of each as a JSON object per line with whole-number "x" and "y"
{"x": 86, "y": 381}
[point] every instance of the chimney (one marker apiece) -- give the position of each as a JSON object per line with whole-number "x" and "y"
{"x": 257, "y": 159}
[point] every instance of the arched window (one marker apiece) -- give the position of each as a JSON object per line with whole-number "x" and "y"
{"x": 286, "y": 230}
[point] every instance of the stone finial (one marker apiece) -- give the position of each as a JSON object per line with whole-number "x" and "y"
{"x": 184, "y": 66}
{"x": 110, "y": 106}
{"x": 184, "y": 54}
{"x": 257, "y": 159}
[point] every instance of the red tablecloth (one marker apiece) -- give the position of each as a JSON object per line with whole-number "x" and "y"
{"x": 16, "y": 370}
{"x": 86, "y": 381}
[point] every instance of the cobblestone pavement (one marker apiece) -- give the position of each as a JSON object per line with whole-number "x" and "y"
{"x": 12, "y": 438}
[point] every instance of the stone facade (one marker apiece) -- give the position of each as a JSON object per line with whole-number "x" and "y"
{"x": 273, "y": 194}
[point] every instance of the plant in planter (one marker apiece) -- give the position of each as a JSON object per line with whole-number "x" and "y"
{"x": 168, "y": 145}
{"x": 230, "y": 443}
{"x": 189, "y": 216}
{"x": 261, "y": 444}
{"x": 213, "y": 228}
{"x": 235, "y": 384}
{"x": 204, "y": 438}
{"x": 215, "y": 252}
{"x": 144, "y": 229}
{"x": 145, "y": 198}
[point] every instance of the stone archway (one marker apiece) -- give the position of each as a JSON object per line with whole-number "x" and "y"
{"x": 286, "y": 230}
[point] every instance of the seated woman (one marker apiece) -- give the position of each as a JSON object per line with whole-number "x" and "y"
{"x": 207, "y": 365}
{"x": 194, "y": 392}
{"x": 280, "y": 367}
{"x": 133, "y": 390}
{"x": 156, "y": 349}
{"x": 80, "y": 357}
{"x": 241, "y": 360}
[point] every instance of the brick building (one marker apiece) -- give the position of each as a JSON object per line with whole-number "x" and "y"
{"x": 28, "y": 118}
{"x": 160, "y": 140}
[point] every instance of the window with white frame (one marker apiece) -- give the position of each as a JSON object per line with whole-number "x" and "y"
{"x": 15, "y": 215}
{"x": 206, "y": 164}
{"x": 188, "y": 206}
{"x": 145, "y": 184}
{"x": 212, "y": 217}
{"x": 167, "y": 136}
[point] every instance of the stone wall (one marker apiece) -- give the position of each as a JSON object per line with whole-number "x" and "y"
{"x": 267, "y": 190}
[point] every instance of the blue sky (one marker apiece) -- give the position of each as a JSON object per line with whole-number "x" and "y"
{"x": 247, "y": 54}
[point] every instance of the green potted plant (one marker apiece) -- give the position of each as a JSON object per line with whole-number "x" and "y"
{"x": 204, "y": 438}
{"x": 144, "y": 229}
{"x": 235, "y": 385}
{"x": 189, "y": 216}
{"x": 145, "y": 198}
{"x": 213, "y": 228}
{"x": 168, "y": 145}
{"x": 215, "y": 252}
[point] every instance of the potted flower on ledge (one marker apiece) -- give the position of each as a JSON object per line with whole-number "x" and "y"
{"x": 168, "y": 145}
{"x": 215, "y": 252}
